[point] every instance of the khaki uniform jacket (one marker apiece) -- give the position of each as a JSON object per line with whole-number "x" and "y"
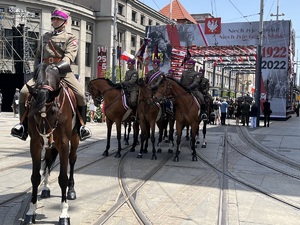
{"x": 156, "y": 81}
{"x": 190, "y": 77}
{"x": 131, "y": 80}
{"x": 66, "y": 47}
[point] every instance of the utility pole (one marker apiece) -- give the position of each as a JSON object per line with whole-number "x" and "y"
{"x": 259, "y": 60}
{"x": 277, "y": 12}
{"x": 114, "y": 54}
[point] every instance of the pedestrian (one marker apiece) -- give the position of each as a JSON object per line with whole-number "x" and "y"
{"x": 92, "y": 109}
{"x": 58, "y": 48}
{"x": 223, "y": 109}
{"x": 237, "y": 112}
{"x": 253, "y": 115}
{"x": 296, "y": 108}
{"x": 103, "y": 112}
{"x": 1, "y": 97}
{"x": 216, "y": 108}
{"x": 267, "y": 112}
{"x": 15, "y": 102}
{"x": 245, "y": 110}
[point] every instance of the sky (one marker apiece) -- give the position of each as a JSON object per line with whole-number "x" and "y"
{"x": 242, "y": 11}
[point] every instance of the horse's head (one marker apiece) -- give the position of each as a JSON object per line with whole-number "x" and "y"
{"x": 95, "y": 93}
{"x": 46, "y": 88}
{"x": 163, "y": 90}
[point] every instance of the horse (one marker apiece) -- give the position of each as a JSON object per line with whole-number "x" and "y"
{"x": 51, "y": 124}
{"x": 187, "y": 111}
{"x": 148, "y": 112}
{"x": 114, "y": 110}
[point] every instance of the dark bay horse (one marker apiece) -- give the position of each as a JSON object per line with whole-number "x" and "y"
{"x": 148, "y": 112}
{"x": 114, "y": 110}
{"x": 187, "y": 111}
{"x": 51, "y": 124}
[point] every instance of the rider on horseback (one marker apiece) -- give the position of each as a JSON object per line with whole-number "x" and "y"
{"x": 58, "y": 49}
{"x": 204, "y": 87}
{"x": 131, "y": 85}
{"x": 154, "y": 77}
{"x": 190, "y": 79}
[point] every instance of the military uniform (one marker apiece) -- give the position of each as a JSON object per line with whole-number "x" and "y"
{"x": 154, "y": 77}
{"x": 131, "y": 83}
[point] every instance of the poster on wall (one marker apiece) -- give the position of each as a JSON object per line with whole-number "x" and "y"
{"x": 275, "y": 50}
{"x": 101, "y": 61}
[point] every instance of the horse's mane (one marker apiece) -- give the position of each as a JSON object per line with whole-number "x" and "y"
{"x": 117, "y": 86}
{"x": 176, "y": 81}
{"x": 39, "y": 74}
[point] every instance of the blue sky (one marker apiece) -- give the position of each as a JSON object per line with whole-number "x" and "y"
{"x": 241, "y": 11}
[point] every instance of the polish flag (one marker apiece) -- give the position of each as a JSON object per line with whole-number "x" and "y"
{"x": 125, "y": 56}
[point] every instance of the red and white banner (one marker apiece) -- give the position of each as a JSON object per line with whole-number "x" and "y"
{"x": 101, "y": 61}
{"x": 125, "y": 56}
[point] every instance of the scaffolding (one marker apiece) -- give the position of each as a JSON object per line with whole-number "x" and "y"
{"x": 19, "y": 36}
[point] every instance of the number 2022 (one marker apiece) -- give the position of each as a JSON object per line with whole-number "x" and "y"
{"x": 274, "y": 52}
{"x": 276, "y": 65}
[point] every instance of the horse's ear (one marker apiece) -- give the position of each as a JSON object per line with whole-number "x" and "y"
{"x": 54, "y": 94}
{"x": 32, "y": 90}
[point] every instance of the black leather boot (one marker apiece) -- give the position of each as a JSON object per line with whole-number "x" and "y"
{"x": 83, "y": 131}
{"x": 203, "y": 112}
{"x": 21, "y": 130}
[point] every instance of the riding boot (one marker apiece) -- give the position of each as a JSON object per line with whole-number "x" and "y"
{"x": 133, "y": 117}
{"x": 203, "y": 112}
{"x": 21, "y": 130}
{"x": 83, "y": 131}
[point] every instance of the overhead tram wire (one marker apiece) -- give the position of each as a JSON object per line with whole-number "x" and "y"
{"x": 239, "y": 11}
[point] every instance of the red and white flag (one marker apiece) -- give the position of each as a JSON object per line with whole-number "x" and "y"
{"x": 125, "y": 56}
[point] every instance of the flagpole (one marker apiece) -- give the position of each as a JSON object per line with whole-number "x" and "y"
{"x": 114, "y": 55}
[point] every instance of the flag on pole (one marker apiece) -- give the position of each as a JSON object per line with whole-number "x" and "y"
{"x": 187, "y": 56}
{"x": 125, "y": 56}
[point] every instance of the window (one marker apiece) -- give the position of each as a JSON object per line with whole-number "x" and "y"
{"x": 120, "y": 37}
{"x": 89, "y": 27}
{"x": 88, "y": 54}
{"x": 133, "y": 16}
{"x": 142, "y": 20}
{"x": 75, "y": 23}
{"x": 120, "y": 9}
{"x": 150, "y": 22}
{"x": 133, "y": 41}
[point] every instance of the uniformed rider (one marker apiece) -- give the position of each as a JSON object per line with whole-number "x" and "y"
{"x": 58, "y": 49}
{"x": 131, "y": 85}
{"x": 204, "y": 86}
{"x": 191, "y": 80}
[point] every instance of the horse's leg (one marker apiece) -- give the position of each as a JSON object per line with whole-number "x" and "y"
{"x": 187, "y": 136}
{"x": 171, "y": 136}
{"x": 118, "y": 126}
{"x": 204, "y": 134}
{"x": 198, "y": 136}
{"x": 126, "y": 134}
{"x": 135, "y": 126}
{"x": 194, "y": 129}
{"x": 108, "y": 135}
{"x": 160, "y": 137}
{"x": 35, "y": 150}
{"x": 165, "y": 130}
{"x": 147, "y": 130}
{"x": 153, "y": 140}
{"x": 178, "y": 141}
{"x": 71, "y": 195}
{"x": 63, "y": 147}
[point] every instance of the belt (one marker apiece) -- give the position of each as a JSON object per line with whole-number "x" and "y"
{"x": 51, "y": 60}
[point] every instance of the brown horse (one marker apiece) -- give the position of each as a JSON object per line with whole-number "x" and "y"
{"x": 50, "y": 125}
{"x": 187, "y": 111}
{"x": 114, "y": 110}
{"x": 148, "y": 112}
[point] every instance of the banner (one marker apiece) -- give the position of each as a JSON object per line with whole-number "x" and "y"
{"x": 102, "y": 61}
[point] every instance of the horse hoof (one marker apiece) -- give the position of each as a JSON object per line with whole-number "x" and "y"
{"x": 176, "y": 159}
{"x": 132, "y": 150}
{"x": 203, "y": 146}
{"x": 118, "y": 155}
{"x": 45, "y": 194}
{"x": 105, "y": 153}
{"x": 126, "y": 143}
{"x": 71, "y": 195}
{"x": 158, "y": 150}
{"x": 29, "y": 219}
{"x": 170, "y": 150}
{"x": 194, "y": 158}
{"x": 154, "y": 157}
{"x": 187, "y": 138}
{"x": 197, "y": 142}
{"x": 145, "y": 151}
{"x": 64, "y": 221}
{"x": 140, "y": 156}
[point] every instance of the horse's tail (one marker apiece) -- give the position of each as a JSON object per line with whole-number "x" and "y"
{"x": 50, "y": 157}
{"x": 39, "y": 102}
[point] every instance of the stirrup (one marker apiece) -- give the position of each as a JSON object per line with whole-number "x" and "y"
{"x": 84, "y": 133}
{"x": 204, "y": 116}
{"x": 15, "y": 132}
